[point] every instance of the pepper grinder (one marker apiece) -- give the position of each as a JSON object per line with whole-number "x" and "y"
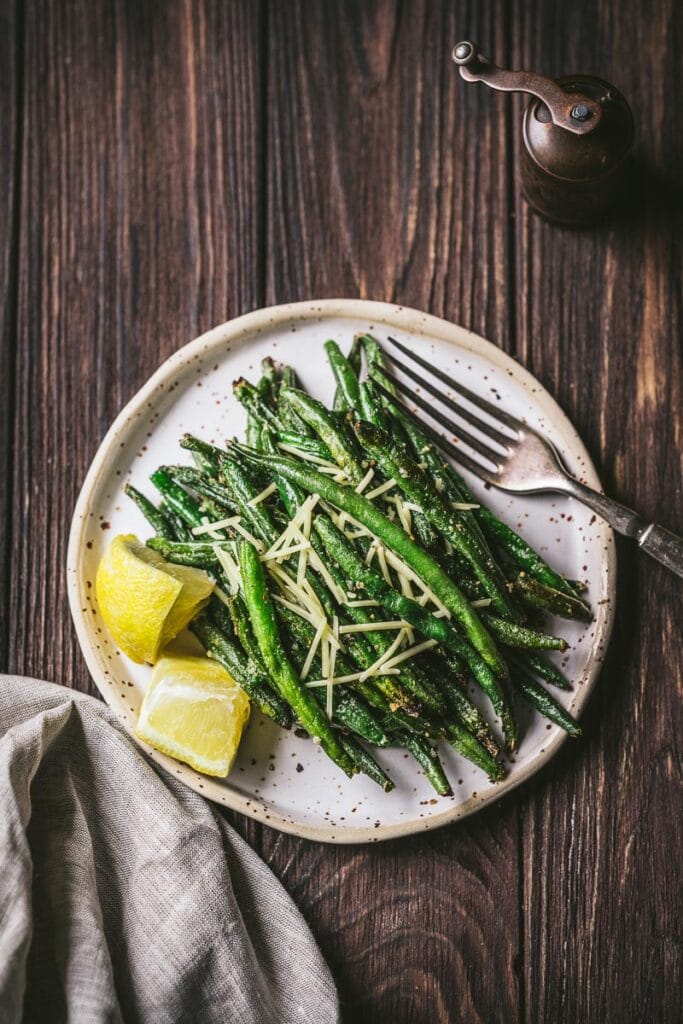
{"x": 577, "y": 134}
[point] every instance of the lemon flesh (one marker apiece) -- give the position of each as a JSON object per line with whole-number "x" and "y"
{"x": 194, "y": 711}
{"x": 144, "y": 600}
{"x": 196, "y": 591}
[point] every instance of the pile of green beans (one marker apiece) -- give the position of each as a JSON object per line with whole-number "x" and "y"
{"x": 423, "y": 556}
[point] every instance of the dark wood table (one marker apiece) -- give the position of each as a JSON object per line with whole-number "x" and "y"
{"x": 165, "y": 166}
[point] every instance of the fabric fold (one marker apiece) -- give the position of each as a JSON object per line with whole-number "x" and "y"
{"x": 124, "y": 896}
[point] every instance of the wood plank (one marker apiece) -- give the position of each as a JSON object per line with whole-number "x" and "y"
{"x": 140, "y": 222}
{"x": 601, "y": 326}
{"x": 10, "y": 117}
{"x": 385, "y": 181}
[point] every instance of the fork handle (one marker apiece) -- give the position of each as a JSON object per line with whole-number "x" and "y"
{"x": 658, "y": 542}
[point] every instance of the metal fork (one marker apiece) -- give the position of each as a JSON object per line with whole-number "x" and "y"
{"x": 516, "y": 458}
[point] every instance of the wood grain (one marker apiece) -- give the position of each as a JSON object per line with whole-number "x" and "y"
{"x": 167, "y": 165}
{"x": 10, "y": 117}
{"x": 601, "y": 326}
{"x": 139, "y": 229}
{"x": 140, "y": 222}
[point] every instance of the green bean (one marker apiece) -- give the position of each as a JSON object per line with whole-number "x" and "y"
{"x": 341, "y": 551}
{"x": 418, "y": 488}
{"x": 451, "y": 671}
{"x": 203, "y": 465}
{"x": 544, "y": 702}
{"x": 280, "y": 669}
{"x": 248, "y": 395}
{"x": 176, "y": 498}
{"x": 244, "y": 491}
{"x": 446, "y": 480}
{"x": 209, "y": 488}
{"x": 340, "y": 445}
{"x": 339, "y": 403}
{"x": 374, "y": 356}
{"x": 369, "y": 405}
{"x": 344, "y": 374}
{"x": 408, "y": 692}
{"x": 489, "y": 528}
{"x": 396, "y": 539}
{"x": 310, "y": 445}
{"x": 181, "y": 531}
{"x": 517, "y": 549}
{"x": 385, "y": 686}
{"x": 540, "y": 595}
{"x": 350, "y": 710}
{"x": 355, "y": 356}
{"x": 468, "y": 746}
{"x": 262, "y": 522}
{"x": 373, "y": 411}
{"x": 268, "y": 382}
{"x": 241, "y": 668}
{"x": 531, "y": 661}
{"x": 254, "y": 427}
{"x": 207, "y": 454}
{"x": 513, "y": 635}
{"x": 243, "y": 629}
{"x": 200, "y": 554}
{"x": 428, "y": 758}
{"x": 365, "y": 762}
{"x": 154, "y": 516}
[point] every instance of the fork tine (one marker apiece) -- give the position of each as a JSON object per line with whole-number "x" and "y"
{"x": 504, "y": 440}
{"x": 493, "y": 411}
{"x": 463, "y": 435}
{"x": 442, "y": 442}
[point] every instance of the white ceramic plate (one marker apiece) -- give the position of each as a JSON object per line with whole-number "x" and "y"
{"x": 279, "y": 778}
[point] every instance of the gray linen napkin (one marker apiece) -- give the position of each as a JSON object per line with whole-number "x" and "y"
{"x": 126, "y": 897}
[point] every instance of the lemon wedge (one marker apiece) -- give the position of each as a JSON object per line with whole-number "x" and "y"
{"x": 194, "y": 711}
{"x": 144, "y": 600}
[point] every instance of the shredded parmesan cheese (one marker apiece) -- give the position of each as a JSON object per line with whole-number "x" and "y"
{"x": 319, "y": 566}
{"x": 359, "y": 488}
{"x": 228, "y": 566}
{"x": 384, "y": 568}
{"x": 210, "y": 528}
{"x": 248, "y": 536}
{"x": 411, "y": 652}
{"x": 400, "y": 566}
{"x": 265, "y": 493}
{"x": 307, "y": 456}
{"x": 302, "y": 516}
{"x": 404, "y": 515}
{"x": 286, "y": 552}
{"x": 222, "y": 596}
{"x": 352, "y": 678}
{"x": 312, "y": 650}
{"x": 384, "y": 658}
{"x": 368, "y": 627}
{"x": 381, "y": 489}
{"x": 329, "y": 703}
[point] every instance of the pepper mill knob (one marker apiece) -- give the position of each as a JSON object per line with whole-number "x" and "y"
{"x": 577, "y": 133}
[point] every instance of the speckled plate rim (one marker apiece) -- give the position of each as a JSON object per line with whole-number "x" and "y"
{"x": 241, "y": 329}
